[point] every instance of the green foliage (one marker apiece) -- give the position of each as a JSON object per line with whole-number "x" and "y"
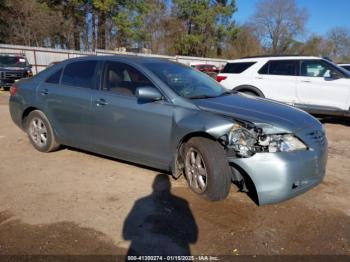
{"x": 175, "y": 27}
{"x": 208, "y": 26}
{"x": 129, "y": 19}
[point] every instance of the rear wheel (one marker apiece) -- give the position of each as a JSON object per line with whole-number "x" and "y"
{"x": 40, "y": 132}
{"x": 206, "y": 168}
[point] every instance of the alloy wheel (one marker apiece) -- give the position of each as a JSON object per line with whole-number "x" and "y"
{"x": 38, "y": 132}
{"x": 196, "y": 172}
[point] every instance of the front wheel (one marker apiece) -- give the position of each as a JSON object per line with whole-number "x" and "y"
{"x": 40, "y": 132}
{"x": 206, "y": 168}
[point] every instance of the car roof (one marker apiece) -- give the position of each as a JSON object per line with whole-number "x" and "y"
{"x": 130, "y": 58}
{"x": 266, "y": 58}
{"x": 344, "y": 64}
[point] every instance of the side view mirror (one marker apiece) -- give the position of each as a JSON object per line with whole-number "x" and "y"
{"x": 148, "y": 93}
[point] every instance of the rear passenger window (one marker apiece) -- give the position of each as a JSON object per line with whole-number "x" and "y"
{"x": 79, "y": 74}
{"x": 55, "y": 77}
{"x": 123, "y": 79}
{"x": 236, "y": 68}
{"x": 280, "y": 67}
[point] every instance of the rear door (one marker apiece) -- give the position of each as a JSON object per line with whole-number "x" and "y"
{"x": 317, "y": 88}
{"x": 277, "y": 80}
{"x": 125, "y": 127}
{"x": 66, "y": 98}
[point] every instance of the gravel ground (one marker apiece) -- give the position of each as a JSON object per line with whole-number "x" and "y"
{"x": 73, "y": 202}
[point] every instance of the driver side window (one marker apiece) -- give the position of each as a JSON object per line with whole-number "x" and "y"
{"x": 315, "y": 68}
{"x": 123, "y": 79}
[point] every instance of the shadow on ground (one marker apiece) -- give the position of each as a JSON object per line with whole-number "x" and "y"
{"x": 161, "y": 223}
{"x": 63, "y": 238}
{"x": 345, "y": 121}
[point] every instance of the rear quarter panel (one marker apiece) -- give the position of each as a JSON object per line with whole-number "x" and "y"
{"x": 26, "y": 96}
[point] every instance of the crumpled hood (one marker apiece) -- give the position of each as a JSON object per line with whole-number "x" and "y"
{"x": 266, "y": 113}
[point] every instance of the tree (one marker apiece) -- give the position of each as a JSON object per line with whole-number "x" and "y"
{"x": 3, "y": 23}
{"x": 315, "y": 45}
{"x": 339, "y": 42}
{"x": 103, "y": 9}
{"x": 245, "y": 44}
{"x": 69, "y": 22}
{"x": 278, "y": 23}
{"x": 207, "y": 26}
{"x": 30, "y": 22}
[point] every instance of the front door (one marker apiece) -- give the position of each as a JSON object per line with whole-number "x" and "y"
{"x": 316, "y": 88}
{"x": 125, "y": 127}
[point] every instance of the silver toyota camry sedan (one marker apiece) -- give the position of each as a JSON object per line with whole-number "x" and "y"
{"x": 169, "y": 116}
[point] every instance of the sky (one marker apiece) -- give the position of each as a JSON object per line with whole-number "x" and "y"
{"x": 323, "y": 14}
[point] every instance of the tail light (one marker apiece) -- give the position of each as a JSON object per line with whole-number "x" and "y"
{"x": 29, "y": 73}
{"x": 220, "y": 78}
{"x": 13, "y": 90}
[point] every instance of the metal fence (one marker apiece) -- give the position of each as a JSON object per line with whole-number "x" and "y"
{"x": 40, "y": 57}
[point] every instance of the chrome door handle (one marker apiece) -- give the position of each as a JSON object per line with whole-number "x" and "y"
{"x": 306, "y": 81}
{"x": 44, "y": 92}
{"x": 101, "y": 102}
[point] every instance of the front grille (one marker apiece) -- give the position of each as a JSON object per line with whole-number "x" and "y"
{"x": 318, "y": 137}
{"x": 13, "y": 75}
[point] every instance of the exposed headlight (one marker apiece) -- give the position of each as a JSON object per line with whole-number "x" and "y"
{"x": 242, "y": 140}
{"x": 281, "y": 143}
{"x": 246, "y": 142}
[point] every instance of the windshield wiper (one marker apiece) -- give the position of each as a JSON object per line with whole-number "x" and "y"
{"x": 227, "y": 93}
{"x": 200, "y": 97}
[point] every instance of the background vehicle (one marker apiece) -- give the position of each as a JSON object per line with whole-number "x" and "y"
{"x": 345, "y": 66}
{"x": 12, "y": 68}
{"x": 169, "y": 116}
{"x": 209, "y": 69}
{"x": 311, "y": 83}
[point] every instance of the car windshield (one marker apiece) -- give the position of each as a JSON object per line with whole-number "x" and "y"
{"x": 13, "y": 61}
{"x": 343, "y": 70}
{"x": 185, "y": 81}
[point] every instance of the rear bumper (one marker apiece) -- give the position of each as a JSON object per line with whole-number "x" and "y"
{"x": 281, "y": 176}
{"x": 16, "y": 110}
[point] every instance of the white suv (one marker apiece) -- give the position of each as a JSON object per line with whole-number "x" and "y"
{"x": 311, "y": 83}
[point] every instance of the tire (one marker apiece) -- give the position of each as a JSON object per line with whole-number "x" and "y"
{"x": 40, "y": 132}
{"x": 206, "y": 168}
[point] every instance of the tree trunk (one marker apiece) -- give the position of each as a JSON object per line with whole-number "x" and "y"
{"x": 102, "y": 30}
{"x": 76, "y": 31}
{"x": 93, "y": 29}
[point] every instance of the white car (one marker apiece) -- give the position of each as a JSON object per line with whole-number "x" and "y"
{"x": 345, "y": 66}
{"x": 310, "y": 83}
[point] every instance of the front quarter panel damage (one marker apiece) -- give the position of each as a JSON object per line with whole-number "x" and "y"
{"x": 189, "y": 123}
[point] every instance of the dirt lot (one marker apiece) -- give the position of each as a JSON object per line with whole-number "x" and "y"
{"x": 72, "y": 202}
